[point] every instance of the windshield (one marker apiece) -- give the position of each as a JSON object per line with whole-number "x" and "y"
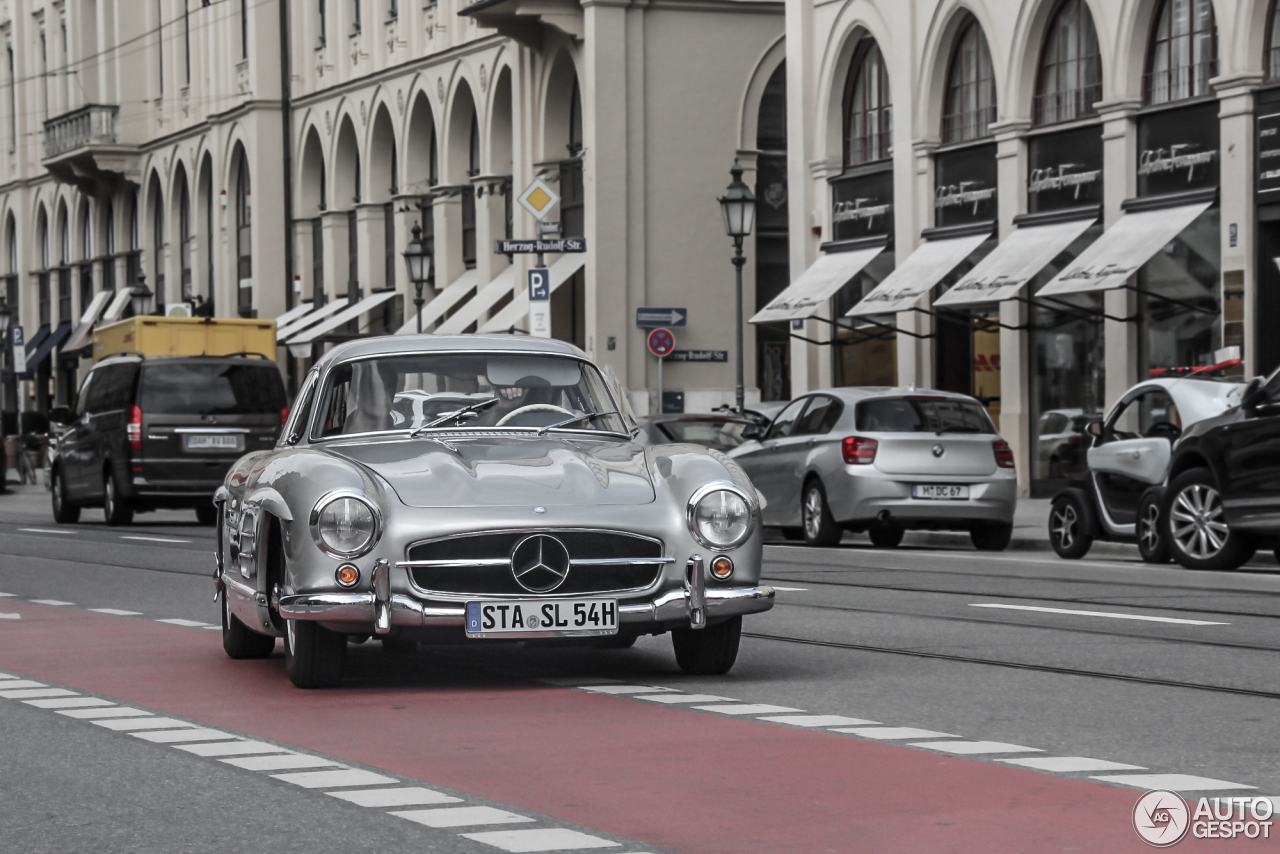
{"x": 212, "y": 388}
{"x": 922, "y": 415}
{"x": 502, "y": 390}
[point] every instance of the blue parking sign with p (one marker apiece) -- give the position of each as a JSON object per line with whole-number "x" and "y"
{"x": 539, "y": 284}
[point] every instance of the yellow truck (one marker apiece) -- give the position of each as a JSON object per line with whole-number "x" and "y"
{"x": 152, "y": 335}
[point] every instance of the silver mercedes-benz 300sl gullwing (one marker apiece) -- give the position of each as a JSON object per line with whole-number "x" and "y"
{"x": 450, "y": 488}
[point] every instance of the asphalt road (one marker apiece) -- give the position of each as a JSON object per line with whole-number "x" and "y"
{"x": 1132, "y": 670}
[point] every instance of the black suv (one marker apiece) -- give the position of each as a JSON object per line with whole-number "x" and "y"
{"x": 1223, "y": 499}
{"x": 162, "y": 432}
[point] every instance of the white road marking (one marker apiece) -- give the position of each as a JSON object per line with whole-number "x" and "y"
{"x": 7, "y": 676}
{"x": 789, "y": 589}
{"x": 151, "y": 539}
{"x": 409, "y": 796}
{"x": 973, "y": 748}
{"x": 114, "y": 712}
{"x": 127, "y": 724}
{"x": 215, "y": 628}
{"x": 622, "y": 689}
{"x": 889, "y": 733}
{"x": 116, "y": 612}
{"x": 817, "y": 720}
{"x": 574, "y": 681}
{"x": 55, "y": 602}
{"x": 176, "y": 621}
{"x": 173, "y": 736}
{"x": 540, "y": 839}
{"x": 48, "y": 530}
{"x": 461, "y": 816}
{"x": 23, "y": 683}
{"x": 232, "y": 748}
{"x": 33, "y": 693}
{"x": 10, "y": 616}
{"x": 749, "y": 709}
{"x": 1109, "y": 614}
{"x": 69, "y": 703}
{"x": 344, "y": 777}
{"x": 7, "y": 595}
{"x": 687, "y": 698}
{"x": 1071, "y": 764}
{"x": 283, "y": 762}
{"x": 1173, "y": 782}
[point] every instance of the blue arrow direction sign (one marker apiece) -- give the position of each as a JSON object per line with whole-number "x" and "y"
{"x": 648, "y": 317}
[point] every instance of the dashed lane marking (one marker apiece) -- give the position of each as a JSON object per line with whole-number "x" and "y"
{"x": 33, "y": 693}
{"x": 177, "y": 621}
{"x": 23, "y": 683}
{"x": 47, "y": 530}
{"x": 152, "y": 539}
{"x": 1071, "y": 764}
{"x": 623, "y": 689}
{"x": 975, "y": 748}
{"x": 461, "y": 816}
{"x": 342, "y": 777}
{"x": 283, "y": 762}
{"x": 817, "y": 720}
{"x": 130, "y": 724}
{"x": 242, "y": 747}
{"x": 91, "y": 714}
{"x": 540, "y": 839}
{"x": 1179, "y": 783}
{"x": 1108, "y": 614}
{"x": 789, "y": 589}
{"x": 407, "y": 796}
{"x": 890, "y": 733}
{"x": 116, "y": 612}
{"x": 57, "y": 603}
{"x": 69, "y": 703}
{"x": 7, "y": 595}
{"x": 687, "y": 698}
{"x": 175, "y": 736}
{"x": 749, "y": 709}
{"x": 10, "y": 616}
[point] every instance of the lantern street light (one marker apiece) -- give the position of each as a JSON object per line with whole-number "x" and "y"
{"x": 419, "y": 264}
{"x": 738, "y": 206}
{"x": 140, "y": 296}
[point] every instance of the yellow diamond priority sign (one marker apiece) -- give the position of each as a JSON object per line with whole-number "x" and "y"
{"x": 538, "y": 199}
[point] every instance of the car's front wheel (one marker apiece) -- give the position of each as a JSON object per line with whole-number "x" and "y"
{"x": 238, "y": 640}
{"x": 1198, "y": 534}
{"x": 1068, "y": 533}
{"x": 1153, "y": 545}
{"x": 313, "y": 655}
{"x": 64, "y": 512}
{"x": 115, "y": 510}
{"x": 991, "y": 536}
{"x": 710, "y": 651}
{"x": 820, "y": 528}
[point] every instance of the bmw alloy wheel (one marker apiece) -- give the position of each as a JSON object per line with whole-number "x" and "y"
{"x": 813, "y": 512}
{"x": 1195, "y": 520}
{"x": 1065, "y": 524}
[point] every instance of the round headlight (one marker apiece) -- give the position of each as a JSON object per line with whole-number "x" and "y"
{"x": 721, "y": 519}
{"x": 346, "y": 526}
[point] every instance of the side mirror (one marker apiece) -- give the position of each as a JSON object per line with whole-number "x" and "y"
{"x": 1253, "y": 393}
{"x": 61, "y": 415}
{"x": 752, "y": 431}
{"x": 1094, "y": 428}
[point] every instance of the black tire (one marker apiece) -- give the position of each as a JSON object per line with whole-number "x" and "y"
{"x": 238, "y": 640}
{"x": 710, "y": 651}
{"x": 886, "y": 535}
{"x": 1068, "y": 527}
{"x": 1195, "y": 528}
{"x": 64, "y": 512}
{"x": 207, "y": 516}
{"x": 313, "y": 655}
{"x": 115, "y": 510}
{"x": 991, "y": 536}
{"x": 394, "y": 645}
{"x": 820, "y": 528}
{"x": 618, "y": 641}
{"x": 1153, "y": 545}
{"x": 793, "y": 534}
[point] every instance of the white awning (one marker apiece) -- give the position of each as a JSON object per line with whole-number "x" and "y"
{"x": 514, "y": 312}
{"x": 283, "y": 332}
{"x": 116, "y": 308}
{"x": 486, "y": 298}
{"x": 923, "y": 269}
{"x": 1016, "y": 261}
{"x": 347, "y": 315}
{"x": 812, "y": 288}
{"x": 445, "y": 300}
{"x": 293, "y": 314}
{"x": 80, "y": 337}
{"x": 1121, "y": 250}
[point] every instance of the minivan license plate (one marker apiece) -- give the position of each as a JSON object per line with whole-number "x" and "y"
{"x": 940, "y": 492}
{"x": 542, "y": 618}
{"x": 226, "y": 441}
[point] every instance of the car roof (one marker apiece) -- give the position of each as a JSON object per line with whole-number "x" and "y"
{"x": 394, "y": 344}
{"x": 169, "y": 360}
{"x": 853, "y": 394}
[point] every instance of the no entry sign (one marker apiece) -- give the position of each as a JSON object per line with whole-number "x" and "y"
{"x": 661, "y": 342}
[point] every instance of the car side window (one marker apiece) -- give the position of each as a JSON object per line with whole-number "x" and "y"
{"x": 116, "y": 391}
{"x": 785, "y": 423}
{"x": 820, "y": 417}
{"x": 1127, "y": 423}
{"x": 1157, "y": 413}
{"x": 85, "y": 395}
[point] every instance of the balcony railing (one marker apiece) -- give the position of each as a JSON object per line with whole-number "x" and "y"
{"x": 1067, "y": 104}
{"x": 90, "y": 125}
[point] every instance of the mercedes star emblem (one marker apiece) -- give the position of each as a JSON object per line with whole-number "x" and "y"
{"x": 938, "y": 450}
{"x": 540, "y": 563}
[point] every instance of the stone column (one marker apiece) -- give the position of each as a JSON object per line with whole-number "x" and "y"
{"x": 1239, "y": 281}
{"x": 1015, "y": 349}
{"x": 805, "y": 189}
{"x": 1120, "y": 182}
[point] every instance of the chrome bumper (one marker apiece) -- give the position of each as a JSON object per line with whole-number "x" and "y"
{"x": 673, "y": 606}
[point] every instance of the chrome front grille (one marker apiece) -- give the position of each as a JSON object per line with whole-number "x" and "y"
{"x": 480, "y": 564}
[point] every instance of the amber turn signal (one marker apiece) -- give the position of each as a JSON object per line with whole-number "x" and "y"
{"x": 721, "y": 567}
{"x": 347, "y": 575}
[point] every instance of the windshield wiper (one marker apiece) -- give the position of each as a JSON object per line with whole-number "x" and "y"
{"x": 475, "y": 407}
{"x": 588, "y": 417}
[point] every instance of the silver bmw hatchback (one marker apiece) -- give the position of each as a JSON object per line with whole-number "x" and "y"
{"x": 885, "y": 461}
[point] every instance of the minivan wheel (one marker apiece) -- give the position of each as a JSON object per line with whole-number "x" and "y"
{"x": 820, "y": 529}
{"x": 238, "y": 640}
{"x": 115, "y": 509}
{"x": 64, "y": 512}
{"x": 1153, "y": 545}
{"x": 1196, "y": 527}
{"x": 1067, "y": 532}
{"x": 313, "y": 655}
{"x": 709, "y": 651}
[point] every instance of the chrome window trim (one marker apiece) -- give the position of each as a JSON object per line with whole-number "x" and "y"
{"x": 753, "y": 509}
{"x": 331, "y": 496}
{"x": 295, "y": 412}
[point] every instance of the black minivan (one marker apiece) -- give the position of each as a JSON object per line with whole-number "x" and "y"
{"x": 149, "y": 433}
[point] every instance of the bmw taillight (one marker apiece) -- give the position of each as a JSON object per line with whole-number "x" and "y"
{"x": 1004, "y": 454}
{"x": 859, "y": 451}
{"x": 134, "y": 428}
{"x": 284, "y": 415}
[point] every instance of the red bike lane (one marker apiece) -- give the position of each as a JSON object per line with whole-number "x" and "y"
{"x": 690, "y": 781}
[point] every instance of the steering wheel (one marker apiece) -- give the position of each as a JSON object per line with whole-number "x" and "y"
{"x": 1166, "y": 429}
{"x": 532, "y": 407}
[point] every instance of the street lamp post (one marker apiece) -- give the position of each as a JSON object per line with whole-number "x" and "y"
{"x": 419, "y": 264}
{"x": 140, "y": 296}
{"x": 738, "y": 206}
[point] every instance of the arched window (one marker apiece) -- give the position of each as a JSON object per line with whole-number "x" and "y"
{"x": 575, "y": 121}
{"x": 868, "y": 110}
{"x": 244, "y": 236}
{"x": 473, "y": 162}
{"x": 86, "y": 235}
{"x": 971, "y": 88}
{"x": 1184, "y": 51}
{"x": 1272, "y": 60}
{"x": 185, "y": 238}
{"x": 1070, "y": 80}
{"x": 11, "y": 245}
{"x": 42, "y": 235}
{"x": 64, "y": 236}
